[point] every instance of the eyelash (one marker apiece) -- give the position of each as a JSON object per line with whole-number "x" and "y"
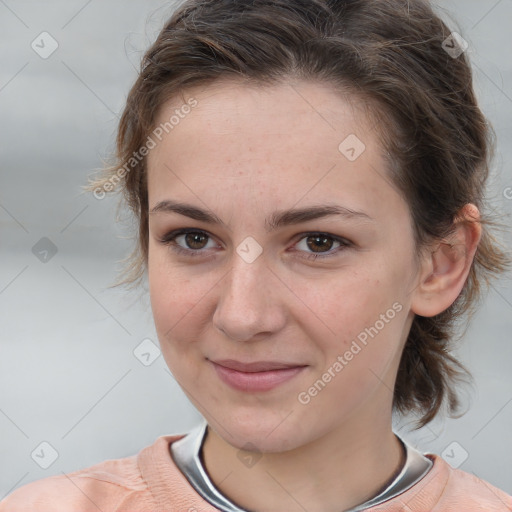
{"x": 169, "y": 240}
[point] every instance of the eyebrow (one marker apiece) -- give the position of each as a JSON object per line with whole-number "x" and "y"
{"x": 278, "y": 219}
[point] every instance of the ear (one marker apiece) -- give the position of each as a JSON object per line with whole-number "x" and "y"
{"x": 445, "y": 268}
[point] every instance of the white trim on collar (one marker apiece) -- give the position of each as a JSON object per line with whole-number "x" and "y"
{"x": 186, "y": 454}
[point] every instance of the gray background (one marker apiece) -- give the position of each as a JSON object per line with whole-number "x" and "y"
{"x": 68, "y": 374}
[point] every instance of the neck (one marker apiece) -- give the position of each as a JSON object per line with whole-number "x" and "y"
{"x": 338, "y": 471}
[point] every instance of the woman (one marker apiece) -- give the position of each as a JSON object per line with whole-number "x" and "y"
{"x": 308, "y": 178}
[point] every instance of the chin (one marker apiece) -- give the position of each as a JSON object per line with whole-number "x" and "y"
{"x": 269, "y": 433}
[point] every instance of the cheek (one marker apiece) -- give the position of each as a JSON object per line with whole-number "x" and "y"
{"x": 171, "y": 293}
{"x": 358, "y": 314}
{"x": 174, "y": 303}
{"x": 179, "y": 299}
{"x": 350, "y": 301}
{"x": 173, "y": 300}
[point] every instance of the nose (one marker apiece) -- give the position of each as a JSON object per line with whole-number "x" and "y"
{"x": 248, "y": 304}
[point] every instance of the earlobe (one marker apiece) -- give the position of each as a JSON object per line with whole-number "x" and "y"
{"x": 446, "y": 267}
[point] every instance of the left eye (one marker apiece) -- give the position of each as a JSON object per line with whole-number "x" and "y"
{"x": 320, "y": 245}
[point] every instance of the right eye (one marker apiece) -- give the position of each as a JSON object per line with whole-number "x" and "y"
{"x": 188, "y": 242}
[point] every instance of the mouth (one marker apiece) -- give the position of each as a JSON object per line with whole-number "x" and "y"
{"x": 255, "y": 376}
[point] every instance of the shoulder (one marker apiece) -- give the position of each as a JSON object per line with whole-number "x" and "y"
{"x": 103, "y": 486}
{"x": 444, "y": 489}
{"x": 466, "y": 491}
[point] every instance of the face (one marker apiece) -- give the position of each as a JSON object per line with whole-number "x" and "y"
{"x": 281, "y": 261}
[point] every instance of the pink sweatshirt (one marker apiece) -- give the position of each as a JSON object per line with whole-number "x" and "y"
{"x": 151, "y": 482}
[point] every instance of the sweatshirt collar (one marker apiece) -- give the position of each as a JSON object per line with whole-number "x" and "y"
{"x": 186, "y": 455}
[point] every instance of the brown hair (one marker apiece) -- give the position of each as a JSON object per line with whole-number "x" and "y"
{"x": 391, "y": 55}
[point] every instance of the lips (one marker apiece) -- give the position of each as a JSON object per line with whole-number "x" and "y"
{"x": 255, "y": 376}
{"x": 256, "y": 366}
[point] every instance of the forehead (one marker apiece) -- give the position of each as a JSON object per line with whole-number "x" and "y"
{"x": 287, "y": 141}
{"x": 282, "y": 110}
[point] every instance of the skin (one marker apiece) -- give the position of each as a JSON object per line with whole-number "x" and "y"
{"x": 244, "y": 153}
